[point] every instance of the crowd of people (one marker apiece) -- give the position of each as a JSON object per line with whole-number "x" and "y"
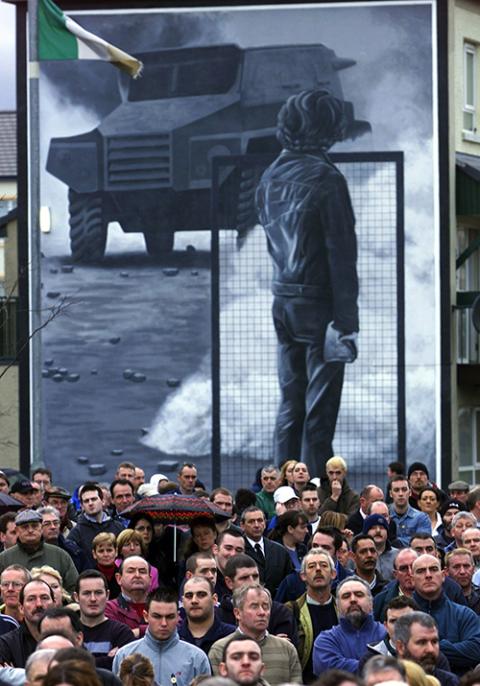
{"x": 302, "y": 580}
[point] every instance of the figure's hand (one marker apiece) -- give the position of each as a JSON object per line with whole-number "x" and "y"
{"x": 348, "y": 533}
{"x": 285, "y": 636}
{"x": 136, "y": 632}
{"x": 336, "y": 489}
{"x": 113, "y": 651}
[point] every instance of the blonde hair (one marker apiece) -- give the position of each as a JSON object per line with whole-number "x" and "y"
{"x": 336, "y": 519}
{"x": 336, "y": 462}
{"x": 127, "y": 536}
{"x": 104, "y": 539}
{"x": 416, "y": 675}
{"x": 38, "y": 572}
{"x": 283, "y": 471}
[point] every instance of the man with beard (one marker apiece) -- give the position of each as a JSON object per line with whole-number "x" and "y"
{"x": 252, "y": 604}
{"x": 16, "y": 646}
{"x": 458, "y": 626}
{"x": 201, "y": 626}
{"x": 342, "y": 646}
{"x": 416, "y": 638}
{"x": 101, "y": 636}
{"x": 31, "y": 551}
{"x": 315, "y": 610}
{"x": 242, "y": 662}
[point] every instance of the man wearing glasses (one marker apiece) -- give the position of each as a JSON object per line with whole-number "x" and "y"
{"x": 51, "y": 523}
{"x": 12, "y": 580}
{"x": 31, "y": 551}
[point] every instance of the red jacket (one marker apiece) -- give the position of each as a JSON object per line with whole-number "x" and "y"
{"x": 120, "y": 610}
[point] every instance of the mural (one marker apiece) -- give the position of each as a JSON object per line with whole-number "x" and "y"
{"x": 163, "y": 269}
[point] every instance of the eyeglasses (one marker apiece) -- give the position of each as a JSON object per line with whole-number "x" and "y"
{"x": 53, "y": 522}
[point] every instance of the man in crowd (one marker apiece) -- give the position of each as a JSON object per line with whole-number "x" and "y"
{"x": 92, "y": 521}
{"x": 458, "y": 490}
{"x": 368, "y": 495}
{"x": 418, "y": 478}
{"x": 252, "y": 604}
{"x": 473, "y": 503}
{"x": 25, "y": 492}
{"x": 342, "y": 646}
{"x": 175, "y": 662}
{"x": 126, "y": 471}
{"x": 30, "y": 550}
{"x": 51, "y": 533}
{"x": 101, "y": 636}
{"x": 459, "y": 567}
{"x": 448, "y": 510}
{"x": 202, "y": 564}
{"x": 122, "y": 492}
{"x": 129, "y": 607}
{"x": 471, "y": 541}
{"x": 17, "y": 645}
{"x": 407, "y": 519}
{"x": 315, "y": 610}
{"x": 310, "y": 506}
{"x": 37, "y": 665}
{"x": 365, "y": 558}
{"x": 186, "y": 479}
{"x": 229, "y": 543}
{"x": 335, "y": 493}
{"x": 458, "y": 626}
{"x": 381, "y": 668}
{"x": 139, "y": 478}
{"x": 201, "y": 626}
{"x": 8, "y": 530}
{"x": 239, "y": 571}
{"x": 59, "y": 498}
{"x": 58, "y": 621}
{"x": 460, "y": 523}
{"x": 242, "y": 662}
{"x": 223, "y": 498}
{"x": 377, "y": 526}
{"x": 397, "y": 607}
{"x": 43, "y": 477}
{"x": 272, "y": 559}
{"x": 416, "y": 638}
{"x": 269, "y": 477}
{"x": 12, "y": 580}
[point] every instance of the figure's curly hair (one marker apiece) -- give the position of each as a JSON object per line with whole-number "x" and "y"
{"x": 311, "y": 120}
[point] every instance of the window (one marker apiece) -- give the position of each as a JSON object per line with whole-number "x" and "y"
{"x": 469, "y": 87}
{"x": 469, "y": 444}
{"x": 468, "y": 279}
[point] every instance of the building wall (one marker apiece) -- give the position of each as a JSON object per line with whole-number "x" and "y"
{"x": 11, "y": 260}
{"x": 466, "y": 30}
{"x": 9, "y": 429}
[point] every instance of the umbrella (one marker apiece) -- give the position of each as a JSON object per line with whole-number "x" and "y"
{"x": 175, "y": 508}
{"x": 9, "y": 504}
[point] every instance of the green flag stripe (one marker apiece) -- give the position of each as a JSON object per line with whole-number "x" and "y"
{"x": 55, "y": 42}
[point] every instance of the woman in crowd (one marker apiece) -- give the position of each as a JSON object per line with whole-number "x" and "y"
{"x": 72, "y": 673}
{"x": 54, "y": 580}
{"x": 290, "y": 530}
{"x": 428, "y": 502}
{"x": 286, "y": 473}
{"x": 136, "y": 670}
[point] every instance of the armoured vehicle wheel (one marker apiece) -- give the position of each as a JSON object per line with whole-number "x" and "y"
{"x": 159, "y": 242}
{"x": 88, "y": 229}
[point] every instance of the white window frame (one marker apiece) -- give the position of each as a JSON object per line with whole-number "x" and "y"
{"x": 470, "y": 108}
{"x": 468, "y": 472}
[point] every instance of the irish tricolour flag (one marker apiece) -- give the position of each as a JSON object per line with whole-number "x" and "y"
{"x": 60, "y": 38}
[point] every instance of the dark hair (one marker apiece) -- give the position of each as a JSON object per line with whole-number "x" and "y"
{"x": 42, "y": 470}
{"x": 190, "y": 465}
{"x": 331, "y": 531}
{"x": 203, "y": 521}
{"x": 403, "y": 626}
{"x": 90, "y": 486}
{"x": 242, "y": 637}
{"x": 60, "y": 613}
{"x": 221, "y": 490}
{"x": 127, "y": 465}
{"x": 64, "y": 654}
{"x": 21, "y": 597}
{"x": 120, "y": 482}
{"x": 289, "y": 518}
{"x": 311, "y": 120}
{"x": 5, "y": 520}
{"x": 400, "y": 602}
{"x": 360, "y": 537}
{"x": 161, "y": 595}
{"x": 396, "y": 467}
{"x": 471, "y": 678}
{"x": 429, "y": 488}
{"x": 335, "y": 677}
{"x": 397, "y": 477}
{"x": 472, "y": 499}
{"x": 90, "y": 574}
{"x": 192, "y": 562}
{"x": 237, "y": 562}
{"x": 244, "y": 498}
{"x": 251, "y": 508}
{"x": 73, "y": 672}
{"x": 309, "y": 486}
{"x": 136, "y": 670}
{"x": 228, "y": 532}
{"x": 423, "y": 536}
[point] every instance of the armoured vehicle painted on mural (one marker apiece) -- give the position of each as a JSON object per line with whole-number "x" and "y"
{"x": 148, "y": 164}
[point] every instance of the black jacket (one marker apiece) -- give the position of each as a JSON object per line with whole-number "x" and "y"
{"x": 85, "y": 531}
{"x": 17, "y": 646}
{"x": 274, "y": 566}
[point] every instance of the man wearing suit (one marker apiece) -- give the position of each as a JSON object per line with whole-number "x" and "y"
{"x": 368, "y": 495}
{"x": 272, "y": 558}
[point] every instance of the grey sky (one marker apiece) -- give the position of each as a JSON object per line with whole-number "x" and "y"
{"x": 7, "y": 56}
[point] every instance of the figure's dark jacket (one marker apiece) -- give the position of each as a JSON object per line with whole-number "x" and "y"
{"x": 218, "y": 630}
{"x": 274, "y": 566}
{"x": 85, "y": 531}
{"x": 348, "y": 502}
{"x": 391, "y": 591}
{"x": 17, "y": 646}
{"x": 306, "y": 212}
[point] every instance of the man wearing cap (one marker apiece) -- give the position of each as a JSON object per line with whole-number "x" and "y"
{"x": 31, "y": 551}
{"x": 458, "y": 490}
{"x": 273, "y": 560}
{"x": 269, "y": 476}
{"x": 24, "y": 491}
{"x": 419, "y": 478}
{"x": 377, "y": 526}
{"x": 449, "y": 509}
{"x": 59, "y": 497}
{"x": 473, "y": 503}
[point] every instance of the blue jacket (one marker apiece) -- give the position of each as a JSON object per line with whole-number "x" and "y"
{"x": 292, "y": 587}
{"x": 218, "y": 630}
{"x": 174, "y": 661}
{"x": 391, "y": 590}
{"x": 459, "y": 631}
{"x": 342, "y": 646}
{"x": 411, "y": 522}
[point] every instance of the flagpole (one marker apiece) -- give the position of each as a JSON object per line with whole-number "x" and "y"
{"x": 34, "y": 267}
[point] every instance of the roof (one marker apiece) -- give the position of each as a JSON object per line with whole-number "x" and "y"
{"x": 469, "y": 164}
{"x": 6, "y": 219}
{"x": 8, "y": 144}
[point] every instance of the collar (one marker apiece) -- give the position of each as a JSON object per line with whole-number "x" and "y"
{"x": 430, "y": 604}
{"x": 312, "y": 601}
{"x": 94, "y": 520}
{"x": 348, "y": 626}
{"x": 29, "y": 550}
{"x": 260, "y": 641}
{"x": 254, "y": 543}
{"x": 161, "y": 645}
